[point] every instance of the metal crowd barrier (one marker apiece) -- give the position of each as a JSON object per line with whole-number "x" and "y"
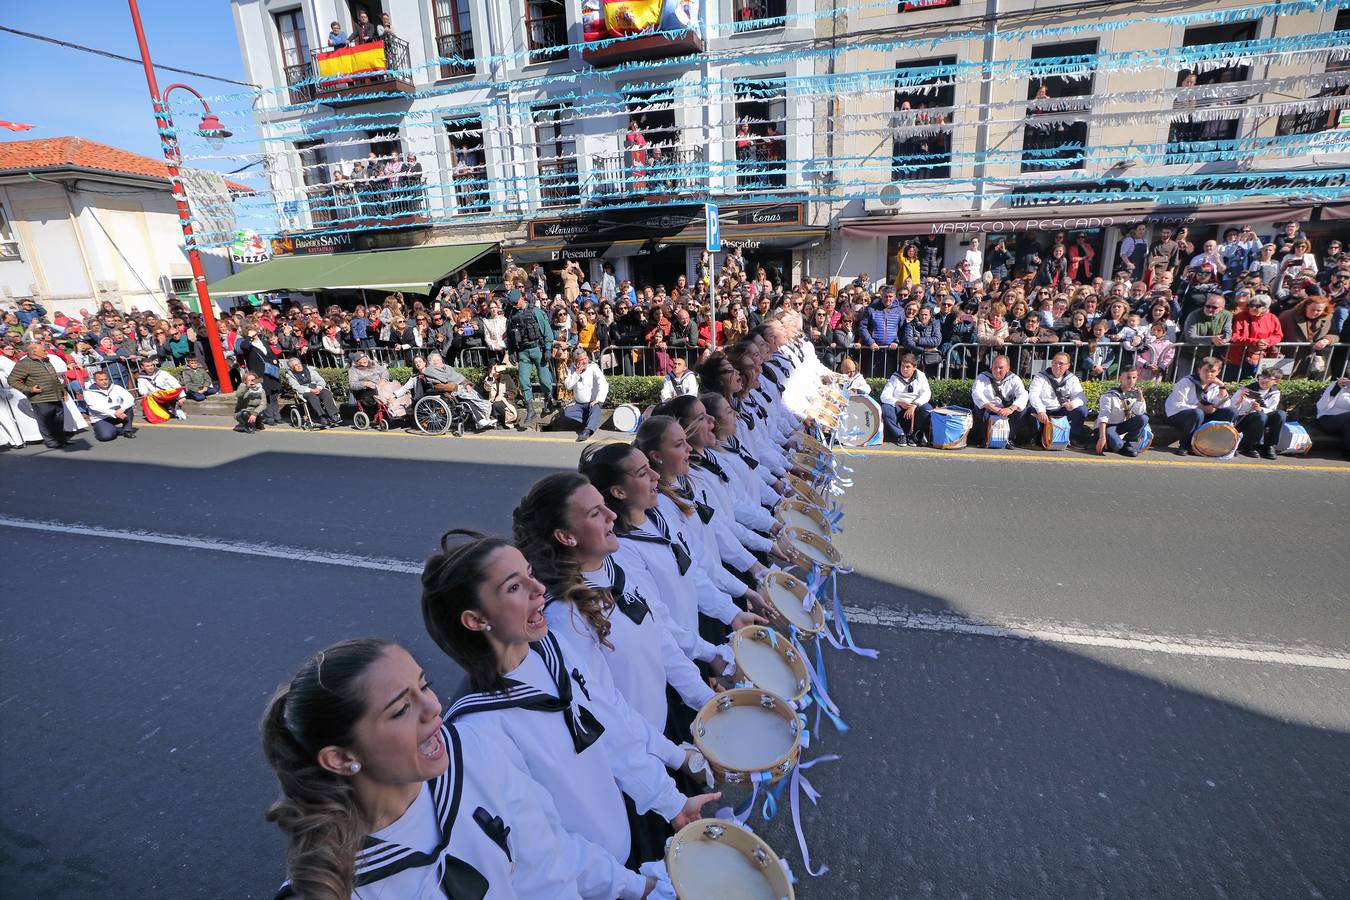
{"x": 634, "y": 359}
{"x": 1294, "y": 358}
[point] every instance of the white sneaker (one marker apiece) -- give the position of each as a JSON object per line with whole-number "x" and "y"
{"x": 179, "y": 413}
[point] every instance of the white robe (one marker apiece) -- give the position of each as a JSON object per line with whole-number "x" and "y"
{"x": 17, "y": 425}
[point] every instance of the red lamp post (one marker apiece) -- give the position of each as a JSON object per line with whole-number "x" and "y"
{"x": 211, "y": 129}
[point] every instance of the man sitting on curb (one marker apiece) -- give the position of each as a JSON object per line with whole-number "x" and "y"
{"x": 589, "y": 390}
{"x": 250, "y": 400}
{"x": 999, "y": 395}
{"x": 112, "y": 409}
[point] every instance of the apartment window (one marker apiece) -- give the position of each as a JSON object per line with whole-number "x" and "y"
{"x": 454, "y": 37}
{"x": 752, "y": 15}
{"x": 546, "y": 30}
{"x": 923, "y": 120}
{"x": 294, "y": 53}
{"x": 556, "y": 142}
{"x": 9, "y": 247}
{"x": 1313, "y": 121}
{"x": 1183, "y": 133}
{"x": 761, "y": 133}
{"x": 318, "y": 195}
{"x": 1057, "y": 145}
{"x": 468, "y": 163}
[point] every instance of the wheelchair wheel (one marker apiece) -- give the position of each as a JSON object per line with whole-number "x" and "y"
{"x": 361, "y": 420}
{"x": 431, "y": 415}
{"x": 383, "y": 424}
{"x": 295, "y": 418}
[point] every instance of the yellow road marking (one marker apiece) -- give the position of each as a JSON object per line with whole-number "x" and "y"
{"x": 967, "y": 454}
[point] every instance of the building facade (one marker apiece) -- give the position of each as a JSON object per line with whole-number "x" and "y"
{"x": 82, "y": 222}
{"x": 521, "y": 125}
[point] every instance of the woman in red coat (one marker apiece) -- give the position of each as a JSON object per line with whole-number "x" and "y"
{"x": 1256, "y": 331}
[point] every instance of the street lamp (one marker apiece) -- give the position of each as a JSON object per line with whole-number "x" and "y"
{"x": 215, "y": 133}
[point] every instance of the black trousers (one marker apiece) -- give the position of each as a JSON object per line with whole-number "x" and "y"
{"x": 111, "y": 429}
{"x": 51, "y": 422}
{"x": 322, "y": 405}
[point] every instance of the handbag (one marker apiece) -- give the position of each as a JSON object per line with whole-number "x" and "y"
{"x": 270, "y": 370}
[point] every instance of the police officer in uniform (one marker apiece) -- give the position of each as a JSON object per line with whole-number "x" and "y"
{"x": 528, "y": 334}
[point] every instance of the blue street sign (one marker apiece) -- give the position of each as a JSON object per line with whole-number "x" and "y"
{"x": 714, "y": 228}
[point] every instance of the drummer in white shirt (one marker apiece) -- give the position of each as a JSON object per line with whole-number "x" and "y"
{"x": 1122, "y": 416}
{"x": 1056, "y": 391}
{"x": 999, "y": 394}
{"x": 679, "y": 382}
{"x": 112, "y": 409}
{"x": 589, "y": 390}
{"x": 1333, "y": 412}
{"x": 905, "y": 405}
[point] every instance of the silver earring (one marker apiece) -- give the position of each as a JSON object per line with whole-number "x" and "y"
{"x": 355, "y": 767}
{"x": 487, "y": 627}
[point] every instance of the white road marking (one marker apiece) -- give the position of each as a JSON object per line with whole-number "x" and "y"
{"x": 1042, "y": 631}
{"x": 1118, "y": 639}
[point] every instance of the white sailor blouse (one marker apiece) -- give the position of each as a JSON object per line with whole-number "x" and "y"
{"x": 575, "y": 736}
{"x": 452, "y": 842}
{"x": 645, "y": 656}
{"x": 683, "y": 585}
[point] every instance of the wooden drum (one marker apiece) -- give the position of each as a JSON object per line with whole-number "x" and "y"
{"x": 713, "y": 859}
{"x": 769, "y": 662}
{"x": 804, "y": 517}
{"x": 787, "y": 594}
{"x": 806, "y": 549}
{"x": 748, "y": 735}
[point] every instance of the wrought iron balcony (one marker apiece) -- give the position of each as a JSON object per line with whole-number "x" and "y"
{"x": 666, "y": 169}
{"x": 357, "y": 72}
{"x": 558, "y": 184}
{"x": 458, "y": 50}
{"x": 547, "y": 36}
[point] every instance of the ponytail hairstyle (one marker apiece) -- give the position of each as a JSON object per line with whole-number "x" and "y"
{"x": 713, "y": 403}
{"x": 317, "y": 809}
{"x": 541, "y": 512}
{"x": 650, "y": 434}
{"x": 450, "y": 584}
{"x": 679, "y": 408}
{"x": 741, "y": 358}
{"x": 710, "y": 374}
{"x": 602, "y": 464}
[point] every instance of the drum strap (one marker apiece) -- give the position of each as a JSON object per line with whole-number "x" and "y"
{"x": 998, "y": 389}
{"x": 685, "y": 491}
{"x": 1059, "y": 386}
{"x": 706, "y": 461}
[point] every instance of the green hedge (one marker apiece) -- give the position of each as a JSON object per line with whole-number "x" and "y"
{"x": 1299, "y": 396}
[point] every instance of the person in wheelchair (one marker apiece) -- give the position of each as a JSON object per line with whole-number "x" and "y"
{"x": 373, "y": 389}
{"x": 311, "y": 390}
{"x": 439, "y": 378}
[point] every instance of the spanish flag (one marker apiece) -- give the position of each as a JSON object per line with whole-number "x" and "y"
{"x": 352, "y": 60}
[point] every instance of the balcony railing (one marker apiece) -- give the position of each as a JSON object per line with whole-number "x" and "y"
{"x": 753, "y": 15}
{"x": 458, "y": 48}
{"x": 300, "y": 79}
{"x": 376, "y": 67}
{"x": 667, "y": 169}
{"x": 558, "y": 184}
{"x": 547, "y": 36}
{"x": 760, "y": 164}
{"x": 471, "y": 189}
{"x": 368, "y": 202}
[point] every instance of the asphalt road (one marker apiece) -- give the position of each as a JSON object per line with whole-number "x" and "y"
{"x": 1169, "y": 717}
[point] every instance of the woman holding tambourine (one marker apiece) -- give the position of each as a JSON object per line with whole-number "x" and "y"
{"x": 544, "y": 709}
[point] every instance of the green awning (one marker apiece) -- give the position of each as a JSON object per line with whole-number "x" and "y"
{"x": 388, "y": 270}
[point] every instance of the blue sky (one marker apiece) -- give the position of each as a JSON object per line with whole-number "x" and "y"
{"x": 68, "y": 92}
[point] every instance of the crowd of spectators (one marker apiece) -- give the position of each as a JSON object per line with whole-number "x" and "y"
{"x": 1160, "y": 308}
